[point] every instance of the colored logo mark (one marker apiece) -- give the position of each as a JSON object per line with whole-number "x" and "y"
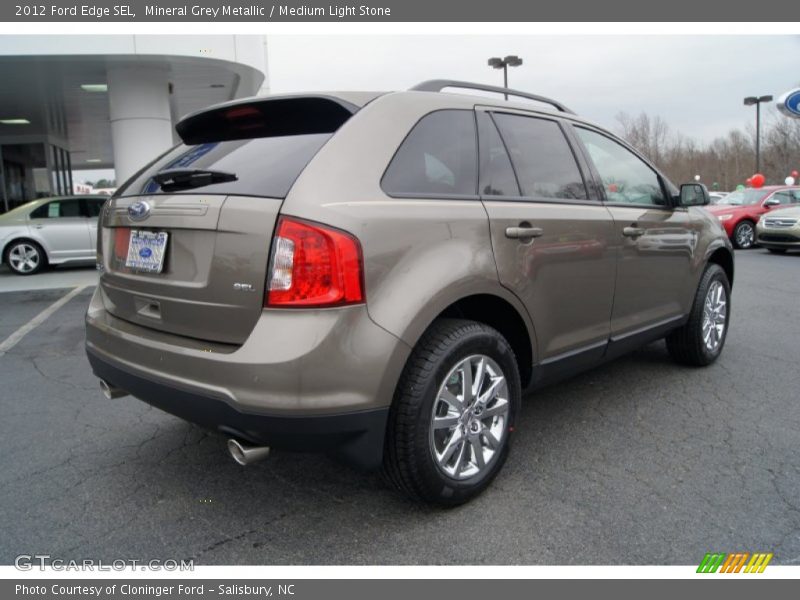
{"x": 789, "y": 103}
{"x": 138, "y": 210}
{"x": 735, "y": 562}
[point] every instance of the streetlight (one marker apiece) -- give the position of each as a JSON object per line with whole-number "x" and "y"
{"x": 504, "y": 63}
{"x": 757, "y": 100}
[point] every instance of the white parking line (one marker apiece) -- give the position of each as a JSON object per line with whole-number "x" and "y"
{"x": 20, "y": 333}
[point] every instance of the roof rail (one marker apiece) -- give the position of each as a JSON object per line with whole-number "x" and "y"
{"x": 437, "y": 85}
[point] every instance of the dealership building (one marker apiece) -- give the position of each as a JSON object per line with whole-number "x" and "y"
{"x": 72, "y": 103}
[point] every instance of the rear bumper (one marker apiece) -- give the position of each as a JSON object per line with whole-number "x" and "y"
{"x": 355, "y": 437}
{"x": 304, "y": 380}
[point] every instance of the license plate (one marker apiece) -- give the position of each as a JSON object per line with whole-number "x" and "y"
{"x": 146, "y": 251}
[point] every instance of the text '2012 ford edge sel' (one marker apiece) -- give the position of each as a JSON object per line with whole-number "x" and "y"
{"x": 381, "y": 276}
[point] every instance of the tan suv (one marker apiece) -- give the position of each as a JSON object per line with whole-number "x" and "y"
{"x": 382, "y": 276}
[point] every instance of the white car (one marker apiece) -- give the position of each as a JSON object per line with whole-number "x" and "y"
{"x": 50, "y": 231}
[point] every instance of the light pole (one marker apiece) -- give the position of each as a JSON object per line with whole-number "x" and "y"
{"x": 503, "y": 63}
{"x": 757, "y": 100}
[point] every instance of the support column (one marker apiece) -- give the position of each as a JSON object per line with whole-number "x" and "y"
{"x": 141, "y": 127}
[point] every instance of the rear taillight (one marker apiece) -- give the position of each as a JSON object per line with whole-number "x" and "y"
{"x": 313, "y": 265}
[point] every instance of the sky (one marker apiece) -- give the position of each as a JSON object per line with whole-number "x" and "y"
{"x": 696, "y": 83}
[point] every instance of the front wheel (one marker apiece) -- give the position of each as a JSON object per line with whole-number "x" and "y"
{"x": 744, "y": 235}
{"x": 25, "y": 258}
{"x": 453, "y": 413}
{"x": 700, "y": 341}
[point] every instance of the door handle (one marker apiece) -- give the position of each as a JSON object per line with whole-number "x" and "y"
{"x": 518, "y": 233}
{"x": 38, "y": 226}
{"x": 632, "y": 231}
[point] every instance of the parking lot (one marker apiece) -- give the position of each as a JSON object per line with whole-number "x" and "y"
{"x": 638, "y": 462}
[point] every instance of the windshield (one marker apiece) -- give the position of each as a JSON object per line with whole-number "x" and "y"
{"x": 742, "y": 198}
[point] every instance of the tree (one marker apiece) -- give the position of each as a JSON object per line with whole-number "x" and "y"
{"x": 728, "y": 160}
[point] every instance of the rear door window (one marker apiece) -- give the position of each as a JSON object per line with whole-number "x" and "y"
{"x": 94, "y": 206}
{"x": 542, "y": 158}
{"x": 437, "y": 158}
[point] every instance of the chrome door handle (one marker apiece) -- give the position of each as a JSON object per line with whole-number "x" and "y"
{"x": 517, "y": 233}
{"x": 633, "y": 232}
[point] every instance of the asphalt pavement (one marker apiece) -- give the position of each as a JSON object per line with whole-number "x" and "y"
{"x": 640, "y": 461}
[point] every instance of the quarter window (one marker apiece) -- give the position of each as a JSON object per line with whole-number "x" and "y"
{"x": 438, "y": 157}
{"x": 625, "y": 177}
{"x": 542, "y": 158}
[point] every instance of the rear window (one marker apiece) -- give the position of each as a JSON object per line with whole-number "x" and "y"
{"x": 263, "y": 166}
{"x": 438, "y": 157}
{"x": 253, "y": 149}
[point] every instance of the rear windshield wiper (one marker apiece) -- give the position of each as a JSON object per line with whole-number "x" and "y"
{"x": 172, "y": 180}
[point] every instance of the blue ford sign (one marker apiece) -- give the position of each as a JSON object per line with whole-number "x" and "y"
{"x": 789, "y": 103}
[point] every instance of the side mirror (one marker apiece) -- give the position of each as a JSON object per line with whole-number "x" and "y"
{"x": 770, "y": 202}
{"x": 693, "y": 194}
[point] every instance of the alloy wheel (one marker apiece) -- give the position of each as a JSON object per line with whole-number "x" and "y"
{"x": 745, "y": 235}
{"x": 715, "y": 316}
{"x": 469, "y": 418}
{"x": 24, "y": 258}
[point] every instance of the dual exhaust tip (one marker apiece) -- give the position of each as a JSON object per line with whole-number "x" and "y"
{"x": 242, "y": 453}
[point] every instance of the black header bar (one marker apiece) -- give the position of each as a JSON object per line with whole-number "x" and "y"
{"x": 134, "y": 11}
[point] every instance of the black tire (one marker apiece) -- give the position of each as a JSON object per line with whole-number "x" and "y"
{"x": 777, "y": 250}
{"x": 409, "y": 463}
{"x": 686, "y": 344}
{"x": 740, "y": 228}
{"x": 41, "y": 257}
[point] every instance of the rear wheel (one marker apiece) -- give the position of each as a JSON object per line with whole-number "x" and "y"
{"x": 453, "y": 413}
{"x": 25, "y": 257}
{"x": 700, "y": 341}
{"x": 744, "y": 235}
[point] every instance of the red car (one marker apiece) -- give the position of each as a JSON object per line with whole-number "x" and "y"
{"x": 739, "y": 211}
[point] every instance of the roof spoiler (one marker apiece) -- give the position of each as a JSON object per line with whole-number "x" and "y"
{"x": 437, "y": 85}
{"x": 270, "y": 116}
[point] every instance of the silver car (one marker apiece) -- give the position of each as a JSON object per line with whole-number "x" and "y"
{"x": 779, "y": 230}
{"x": 50, "y": 231}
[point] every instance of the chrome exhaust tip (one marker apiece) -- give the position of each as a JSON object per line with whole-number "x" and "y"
{"x": 244, "y": 454}
{"x": 111, "y": 392}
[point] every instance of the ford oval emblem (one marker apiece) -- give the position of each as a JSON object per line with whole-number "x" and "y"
{"x": 139, "y": 211}
{"x": 789, "y": 103}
